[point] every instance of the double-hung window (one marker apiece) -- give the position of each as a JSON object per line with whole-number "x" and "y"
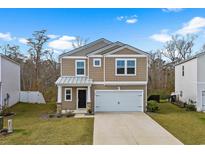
{"x": 120, "y": 66}
{"x": 80, "y": 67}
{"x": 68, "y": 94}
{"x": 125, "y": 67}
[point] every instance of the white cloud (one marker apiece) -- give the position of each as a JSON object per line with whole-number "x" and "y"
{"x": 195, "y": 25}
{"x": 172, "y": 10}
{"x": 64, "y": 42}
{"x": 131, "y": 21}
{"x": 120, "y": 18}
{"x": 128, "y": 19}
{"x": 23, "y": 40}
{"x": 163, "y": 36}
{"x": 52, "y": 36}
{"x": 6, "y": 36}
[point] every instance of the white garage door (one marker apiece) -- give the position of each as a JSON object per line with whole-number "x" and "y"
{"x": 118, "y": 100}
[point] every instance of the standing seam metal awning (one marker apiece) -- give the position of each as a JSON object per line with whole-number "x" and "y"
{"x": 73, "y": 80}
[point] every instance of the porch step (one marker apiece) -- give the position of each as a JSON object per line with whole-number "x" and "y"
{"x": 80, "y": 111}
{"x": 83, "y": 116}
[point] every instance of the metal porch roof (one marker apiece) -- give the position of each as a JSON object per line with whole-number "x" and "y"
{"x": 73, "y": 80}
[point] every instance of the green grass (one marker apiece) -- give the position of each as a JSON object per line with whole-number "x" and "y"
{"x": 188, "y": 127}
{"x": 31, "y": 128}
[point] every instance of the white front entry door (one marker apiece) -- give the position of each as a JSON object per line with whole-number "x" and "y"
{"x": 118, "y": 100}
{"x": 203, "y": 100}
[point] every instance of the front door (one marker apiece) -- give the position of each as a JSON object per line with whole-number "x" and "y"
{"x": 81, "y": 98}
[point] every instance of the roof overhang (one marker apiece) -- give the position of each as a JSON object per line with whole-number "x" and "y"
{"x": 73, "y": 81}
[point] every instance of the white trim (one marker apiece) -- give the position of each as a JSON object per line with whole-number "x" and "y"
{"x": 77, "y": 89}
{"x": 96, "y": 56}
{"x": 126, "y": 56}
{"x": 61, "y": 70}
{"x": 75, "y": 57}
{"x": 104, "y": 69}
{"x": 88, "y": 99}
{"x": 95, "y": 59}
{"x": 80, "y": 60}
{"x": 68, "y": 100}
{"x": 121, "y": 83}
{"x": 88, "y": 67}
{"x": 125, "y": 60}
{"x": 59, "y": 94}
{"x": 128, "y": 47}
{"x": 138, "y": 90}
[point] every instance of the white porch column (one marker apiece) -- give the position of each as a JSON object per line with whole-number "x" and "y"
{"x": 88, "y": 95}
{"x": 59, "y": 94}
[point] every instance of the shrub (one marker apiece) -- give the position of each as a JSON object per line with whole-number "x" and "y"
{"x": 152, "y": 106}
{"x": 191, "y": 106}
{"x": 154, "y": 98}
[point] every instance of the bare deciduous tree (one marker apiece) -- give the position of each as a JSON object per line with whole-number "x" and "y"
{"x": 37, "y": 50}
{"x": 79, "y": 41}
{"x": 179, "y": 47}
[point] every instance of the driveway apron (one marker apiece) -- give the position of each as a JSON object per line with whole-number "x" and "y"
{"x": 130, "y": 128}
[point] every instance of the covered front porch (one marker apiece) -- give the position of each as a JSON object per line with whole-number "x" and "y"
{"x": 74, "y": 94}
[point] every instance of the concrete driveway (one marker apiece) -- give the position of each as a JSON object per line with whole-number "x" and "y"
{"x": 129, "y": 128}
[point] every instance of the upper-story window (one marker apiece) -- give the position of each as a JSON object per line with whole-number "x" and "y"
{"x": 97, "y": 62}
{"x": 125, "y": 67}
{"x": 183, "y": 70}
{"x": 80, "y": 67}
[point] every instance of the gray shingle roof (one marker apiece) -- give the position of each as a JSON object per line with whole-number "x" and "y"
{"x": 195, "y": 56}
{"x": 72, "y": 80}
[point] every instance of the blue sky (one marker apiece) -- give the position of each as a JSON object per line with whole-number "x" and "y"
{"x": 147, "y": 29}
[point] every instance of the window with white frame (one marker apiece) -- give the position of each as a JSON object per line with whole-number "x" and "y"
{"x": 68, "y": 94}
{"x": 80, "y": 67}
{"x": 97, "y": 62}
{"x": 125, "y": 66}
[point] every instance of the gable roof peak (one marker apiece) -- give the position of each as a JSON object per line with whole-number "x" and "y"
{"x": 85, "y": 46}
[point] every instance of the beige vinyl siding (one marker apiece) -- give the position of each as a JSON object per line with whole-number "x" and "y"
{"x": 68, "y": 66}
{"x": 125, "y": 51}
{"x": 69, "y": 105}
{"x": 96, "y": 73}
{"x": 84, "y": 52}
{"x": 108, "y": 50}
{"x": 141, "y": 70}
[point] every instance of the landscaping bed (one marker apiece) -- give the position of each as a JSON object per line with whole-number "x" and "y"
{"x": 31, "y": 128}
{"x": 187, "y": 126}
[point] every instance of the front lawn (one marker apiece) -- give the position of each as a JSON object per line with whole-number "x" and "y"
{"x": 188, "y": 127}
{"x": 30, "y": 127}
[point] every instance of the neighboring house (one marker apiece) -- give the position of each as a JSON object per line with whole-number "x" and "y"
{"x": 104, "y": 76}
{"x": 9, "y": 81}
{"x": 190, "y": 80}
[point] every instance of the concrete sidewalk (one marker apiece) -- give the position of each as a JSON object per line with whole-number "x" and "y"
{"x": 130, "y": 128}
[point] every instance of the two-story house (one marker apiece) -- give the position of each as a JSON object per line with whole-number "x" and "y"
{"x": 190, "y": 80}
{"x": 9, "y": 81}
{"x": 105, "y": 76}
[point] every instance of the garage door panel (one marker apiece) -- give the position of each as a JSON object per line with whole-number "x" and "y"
{"x": 118, "y": 100}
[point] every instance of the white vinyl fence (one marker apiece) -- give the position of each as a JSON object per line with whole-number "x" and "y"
{"x": 32, "y": 97}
